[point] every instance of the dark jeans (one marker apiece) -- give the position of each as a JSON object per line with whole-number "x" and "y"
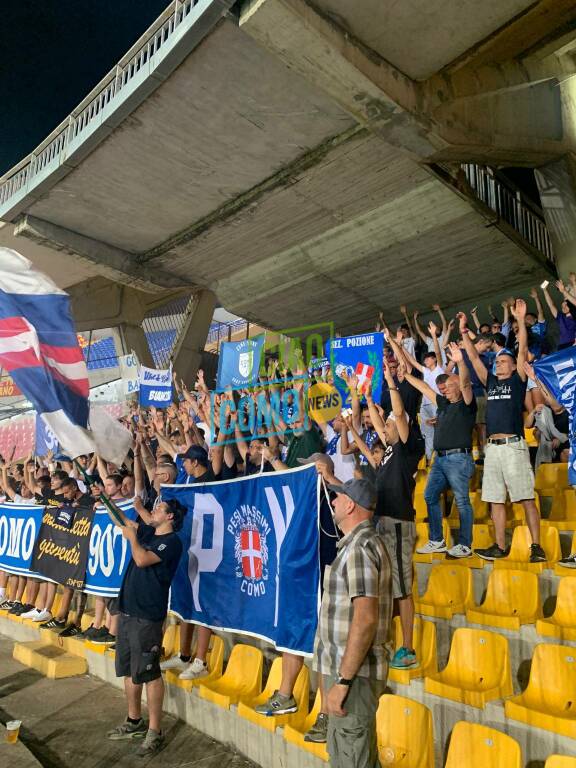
{"x": 453, "y": 471}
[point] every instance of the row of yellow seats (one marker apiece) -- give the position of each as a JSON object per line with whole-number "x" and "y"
{"x": 405, "y": 736}
{"x": 478, "y": 670}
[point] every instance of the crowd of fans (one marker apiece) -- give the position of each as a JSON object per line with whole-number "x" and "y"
{"x": 449, "y": 388}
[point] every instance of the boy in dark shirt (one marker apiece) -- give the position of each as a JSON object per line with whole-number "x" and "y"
{"x": 143, "y": 604}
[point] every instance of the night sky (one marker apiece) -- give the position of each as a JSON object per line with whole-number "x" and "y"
{"x": 52, "y": 53}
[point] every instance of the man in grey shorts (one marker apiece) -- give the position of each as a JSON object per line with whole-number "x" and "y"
{"x": 507, "y": 468}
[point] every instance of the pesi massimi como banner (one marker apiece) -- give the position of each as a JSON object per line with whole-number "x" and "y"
{"x": 250, "y": 556}
{"x": 19, "y": 526}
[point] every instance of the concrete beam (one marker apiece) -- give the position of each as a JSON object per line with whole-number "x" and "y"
{"x": 187, "y": 354}
{"x": 370, "y": 89}
{"x": 113, "y": 263}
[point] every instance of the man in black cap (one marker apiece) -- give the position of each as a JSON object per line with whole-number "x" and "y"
{"x": 197, "y": 466}
{"x": 353, "y": 628}
{"x": 143, "y": 603}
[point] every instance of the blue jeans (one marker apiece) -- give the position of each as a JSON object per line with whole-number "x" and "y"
{"x": 454, "y": 471}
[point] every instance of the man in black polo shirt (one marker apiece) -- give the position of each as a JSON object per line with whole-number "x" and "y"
{"x": 143, "y": 605}
{"x": 454, "y": 465}
{"x": 507, "y": 468}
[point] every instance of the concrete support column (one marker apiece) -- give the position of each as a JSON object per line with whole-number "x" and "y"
{"x": 134, "y": 340}
{"x": 557, "y": 186}
{"x": 188, "y": 351}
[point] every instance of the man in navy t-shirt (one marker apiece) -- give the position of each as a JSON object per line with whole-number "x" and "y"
{"x": 143, "y": 604}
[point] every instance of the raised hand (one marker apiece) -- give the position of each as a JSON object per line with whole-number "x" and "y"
{"x": 455, "y": 352}
{"x": 403, "y": 309}
{"x": 433, "y": 328}
{"x": 529, "y": 371}
{"x": 462, "y": 321}
{"x": 534, "y": 293}
{"x": 560, "y": 285}
{"x": 518, "y": 309}
{"x": 436, "y": 307}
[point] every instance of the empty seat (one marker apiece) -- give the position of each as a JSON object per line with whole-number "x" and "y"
{"x": 422, "y": 538}
{"x": 551, "y": 476}
{"x": 478, "y": 669}
{"x": 562, "y": 623}
{"x": 294, "y": 734}
{"x": 404, "y": 732}
{"x": 214, "y": 662}
{"x": 549, "y": 700}
{"x": 515, "y": 511}
{"x": 301, "y": 694}
{"x": 242, "y": 678}
{"x": 473, "y": 745}
{"x": 512, "y": 599}
{"x": 424, "y": 643}
{"x": 560, "y": 761}
{"x": 449, "y": 591}
{"x": 563, "y": 512}
{"x": 519, "y": 557}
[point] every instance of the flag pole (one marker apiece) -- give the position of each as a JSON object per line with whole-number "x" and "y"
{"x": 108, "y": 503}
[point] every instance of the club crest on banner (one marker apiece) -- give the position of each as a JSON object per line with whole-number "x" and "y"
{"x": 245, "y": 363}
{"x": 251, "y": 550}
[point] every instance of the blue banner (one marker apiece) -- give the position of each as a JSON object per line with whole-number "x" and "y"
{"x": 155, "y": 387}
{"x": 357, "y": 355}
{"x": 239, "y": 363}
{"x": 46, "y": 440}
{"x": 558, "y": 373}
{"x": 109, "y": 553}
{"x": 19, "y": 527}
{"x": 250, "y": 557}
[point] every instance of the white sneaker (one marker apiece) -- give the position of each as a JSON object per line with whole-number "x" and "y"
{"x": 30, "y": 614}
{"x": 197, "y": 669}
{"x": 432, "y": 546}
{"x": 43, "y": 615}
{"x": 174, "y": 662}
{"x": 459, "y": 550}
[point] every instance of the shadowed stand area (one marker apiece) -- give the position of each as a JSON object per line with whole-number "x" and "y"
{"x": 64, "y": 725}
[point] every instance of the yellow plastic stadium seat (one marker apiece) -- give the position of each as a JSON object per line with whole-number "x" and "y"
{"x": 560, "y": 570}
{"x": 425, "y": 646}
{"x": 301, "y": 694}
{"x": 549, "y": 700}
{"x": 551, "y": 476}
{"x": 242, "y": 678}
{"x": 421, "y": 480}
{"x": 512, "y": 599}
{"x": 515, "y": 512}
{"x": 562, "y": 623}
{"x": 420, "y": 506}
{"x": 171, "y": 640}
{"x": 214, "y": 661}
{"x": 519, "y": 557}
{"x": 480, "y": 508}
{"x": 449, "y": 591}
{"x": 478, "y": 669}
{"x": 560, "y": 761}
{"x": 404, "y": 733}
{"x": 295, "y": 735}
{"x": 530, "y": 438}
{"x": 422, "y": 538}
{"x": 473, "y": 745}
{"x": 422, "y": 465}
{"x": 563, "y": 513}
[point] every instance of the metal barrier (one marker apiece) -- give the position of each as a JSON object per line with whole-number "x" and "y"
{"x": 88, "y": 111}
{"x": 511, "y": 206}
{"x": 163, "y": 326}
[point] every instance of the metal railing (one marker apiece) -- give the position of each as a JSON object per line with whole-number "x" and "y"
{"x": 90, "y": 108}
{"x": 163, "y": 327}
{"x": 222, "y": 331}
{"x": 511, "y": 206}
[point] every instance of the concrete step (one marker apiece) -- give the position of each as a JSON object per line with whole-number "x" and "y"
{"x": 49, "y": 660}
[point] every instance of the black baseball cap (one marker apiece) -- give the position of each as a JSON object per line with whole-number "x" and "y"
{"x": 196, "y": 453}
